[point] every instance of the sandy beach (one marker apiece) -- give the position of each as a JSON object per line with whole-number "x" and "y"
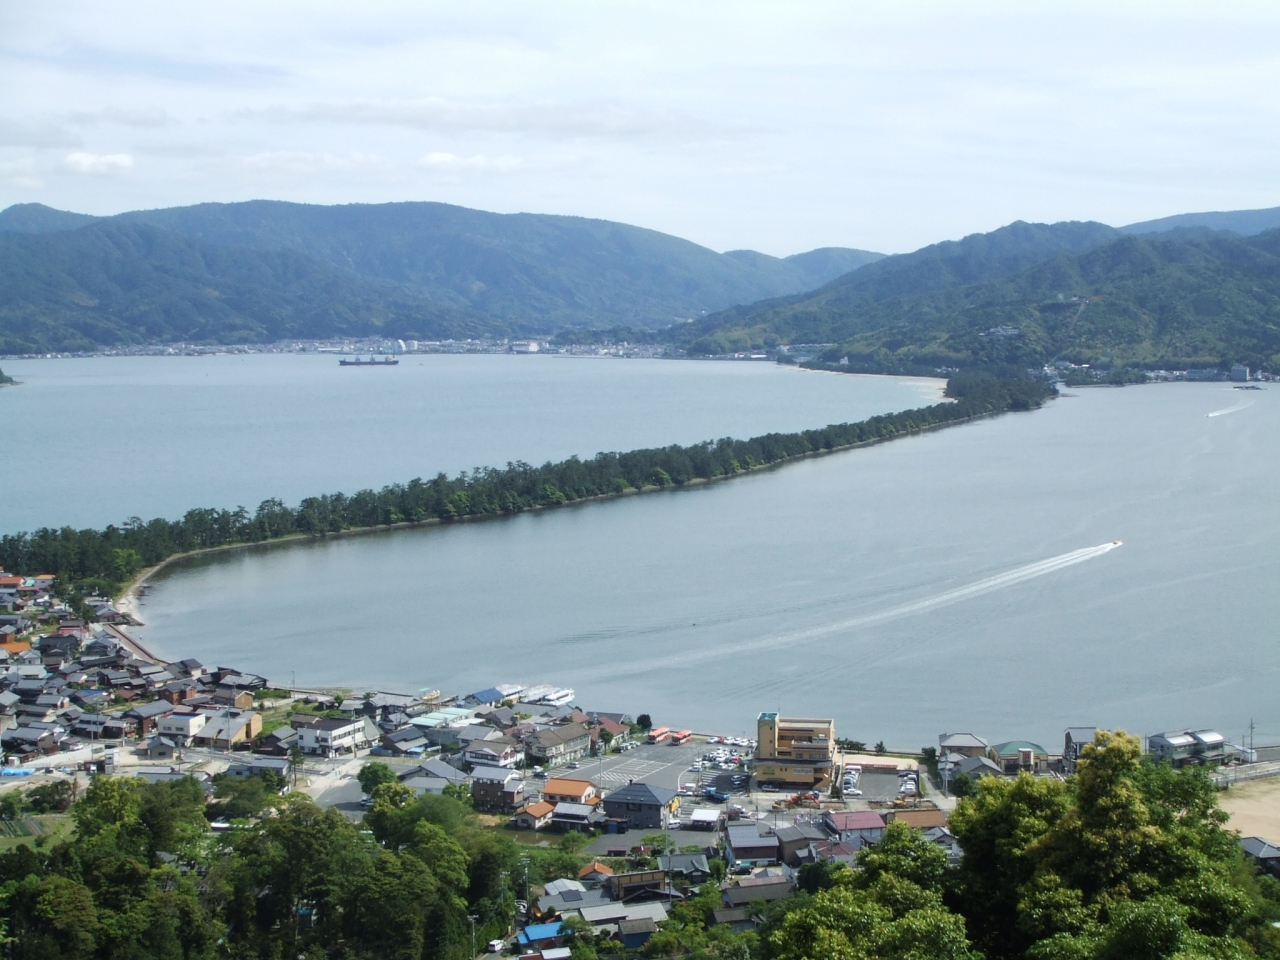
{"x": 1254, "y": 808}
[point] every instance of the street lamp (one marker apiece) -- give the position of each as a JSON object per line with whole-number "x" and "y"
{"x": 472, "y": 918}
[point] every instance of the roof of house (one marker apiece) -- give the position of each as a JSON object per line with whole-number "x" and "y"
{"x": 684, "y": 863}
{"x": 921, "y": 819}
{"x": 743, "y": 835}
{"x": 1260, "y": 849}
{"x": 539, "y": 810}
{"x": 641, "y": 793}
{"x": 952, "y": 741}
{"x": 595, "y": 867}
{"x": 772, "y": 889}
{"x": 554, "y": 736}
{"x": 980, "y": 766}
{"x": 574, "y": 810}
{"x": 1011, "y": 748}
{"x": 615, "y": 912}
{"x": 1082, "y": 734}
{"x": 640, "y": 925}
{"x": 800, "y": 831}
{"x": 564, "y": 786}
{"x": 560, "y": 886}
{"x": 843, "y": 820}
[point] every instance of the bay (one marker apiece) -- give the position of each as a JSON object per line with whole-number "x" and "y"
{"x": 98, "y": 440}
{"x": 963, "y": 580}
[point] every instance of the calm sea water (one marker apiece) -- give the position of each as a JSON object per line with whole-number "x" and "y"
{"x": 959, "y": 581}
{"x": 105, "y": 439}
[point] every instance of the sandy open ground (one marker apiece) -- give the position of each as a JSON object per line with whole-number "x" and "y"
{"x": 1254, "y": 808}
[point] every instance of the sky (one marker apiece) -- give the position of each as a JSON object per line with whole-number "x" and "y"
{"x": 774, "y": 126}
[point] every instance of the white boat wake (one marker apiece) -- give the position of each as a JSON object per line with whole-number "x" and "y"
{"x": 1225, "y": 410}
{"x": 976, "y": 589}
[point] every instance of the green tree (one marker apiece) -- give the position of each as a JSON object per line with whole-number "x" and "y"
{"x": 11, "y": 805}
{"x": 373, "y": 775}
{"x": 644, "y": 722}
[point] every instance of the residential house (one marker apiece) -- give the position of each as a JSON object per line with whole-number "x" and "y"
{"x": 605, "y": 917}
{"x": 575, "y": 816}
{"x": 180, "y": 691}
{"x": 330, "y": 737}
{"x": 408, "y": 741}
{"x": 795, "y": 751}
{"x": 435, "y": 767}
{"x": 750, "y": 844}
{"x": 691, "y": 869}
{"x": 562, "y": 896}
{"x": 634, "y": 934}
{"x": 965, "y": 744}
{"x": 641, "y": 806}
{"x": 1264, "y": 853}
{"x": 226, "y": 729}
{"x": 566, "y": 790}
{"x": 497, "y": 752}
{"x": 148, "y": 715}
{"x": 103, "y": 726}
{"x": 1017, "y": 755}
{"x": 233, "y": 697}
{"x": 558, "y": 745}
{"x": 1188, "y": 747}
{"x": 594, "y": 874}
{"x": 918, "y": 819}
{"x": 795, "y": 842}
{"x": 182, "y": 727}
{"x": 859, "y": 828}
{"x": 739, "y": 893}
{"x": 160, "y": 747}
{"x": 494, "y": 790}
{"x": 976, "y": 767}
{"x": 535, "y": 816}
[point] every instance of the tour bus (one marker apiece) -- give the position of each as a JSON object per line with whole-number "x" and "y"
{"x": 658, "y": 734}
{"x": 680, "y": 736}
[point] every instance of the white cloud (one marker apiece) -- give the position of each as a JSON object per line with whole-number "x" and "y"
{"x": 299, "y": 161}
{"x": 146, "y": 118}
{"x": 21, "y": 172}
{"x": 108, "y": 164}
{"x": 553, "y": 120}
{"x": 26, "y": 133}
{"x": 450, "y": 161}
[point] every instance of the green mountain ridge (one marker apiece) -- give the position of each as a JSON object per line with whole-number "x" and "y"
{"x": 502, "y": 272}
{"x": 1244, "y": 222}
{"x": 1183, "y": 298}
{"x": 115, "y": 283}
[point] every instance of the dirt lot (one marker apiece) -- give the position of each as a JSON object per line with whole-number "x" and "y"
{"x": 1254, "y": 808}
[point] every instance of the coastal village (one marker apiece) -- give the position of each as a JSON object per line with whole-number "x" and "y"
{"x": 663, "y": 811}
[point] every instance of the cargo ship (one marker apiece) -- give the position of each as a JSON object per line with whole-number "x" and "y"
{"x": 357, "y": 362}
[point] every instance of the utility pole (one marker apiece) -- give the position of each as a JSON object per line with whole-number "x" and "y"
{"x": 472, "y": 918}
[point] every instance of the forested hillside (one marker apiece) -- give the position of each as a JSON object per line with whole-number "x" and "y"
{"x": 116, "y": 283}
{"x": 820, "y": 316}
{"x": 404, "y": 266}
{"x": 1125, "y": 860}
{"x": 1186, "y": 298}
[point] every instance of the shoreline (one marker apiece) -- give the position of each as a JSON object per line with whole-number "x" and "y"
{"x": 129, "y": 600}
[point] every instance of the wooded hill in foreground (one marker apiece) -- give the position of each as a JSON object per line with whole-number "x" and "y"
{"x": 1125, "y": 860}
{"x": 265, "y": 270}
{"x": 101, "y": 560}
{"x": 1190, "y": 298}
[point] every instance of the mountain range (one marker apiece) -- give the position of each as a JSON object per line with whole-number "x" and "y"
{"x": 265, "y": 270}
{"x": 1191, "y": 289}
{"x": 1205, "y": 292}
